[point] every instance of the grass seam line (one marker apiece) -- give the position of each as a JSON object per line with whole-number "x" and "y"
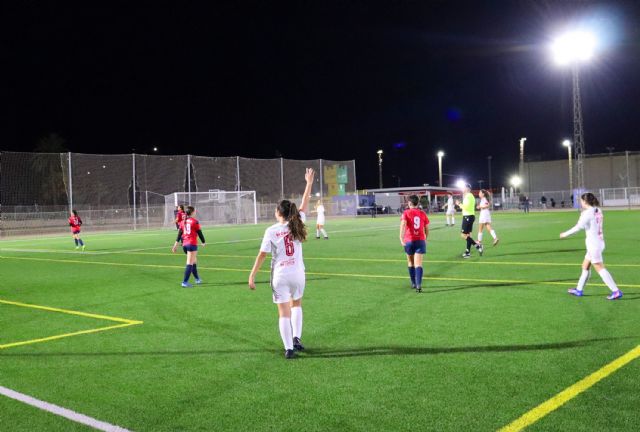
{"x": 61, "y": 411}
{"x": 358, "y": 275}
{"x": 545, "y": 408}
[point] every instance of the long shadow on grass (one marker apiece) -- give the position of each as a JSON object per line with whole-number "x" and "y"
{"x": 400, "y": 350}
{"x": 538, "y": 252}
{"x": 431, "y": 289}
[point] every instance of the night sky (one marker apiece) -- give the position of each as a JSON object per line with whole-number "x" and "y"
{"x": 332, "y": 80}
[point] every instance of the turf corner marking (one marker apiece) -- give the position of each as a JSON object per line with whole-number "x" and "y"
{"x": 123, "y": 322}
{"x": 545, "y": 408}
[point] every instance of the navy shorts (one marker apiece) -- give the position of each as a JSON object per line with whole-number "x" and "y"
{"x": 190, "y": 248}
{"x": 415, "y": 247}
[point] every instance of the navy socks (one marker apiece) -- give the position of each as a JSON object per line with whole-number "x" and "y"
{"x": 187, "y": 273}
{"x": 412, "y": 275}
{"x": 419, "y": 276}
{"x": 195, "y": 271}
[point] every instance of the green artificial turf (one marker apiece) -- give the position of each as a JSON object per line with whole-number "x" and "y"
{"x": 489, "y": 339}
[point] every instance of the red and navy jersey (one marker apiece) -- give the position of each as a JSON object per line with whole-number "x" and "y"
{"x": 75, "y": 222}
{"x": 190, "y": 228}
{"x": 416, "y": 220}
{"x": 180, "y": 216}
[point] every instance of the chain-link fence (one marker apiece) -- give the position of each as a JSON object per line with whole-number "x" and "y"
{"x": 37, "y": 190}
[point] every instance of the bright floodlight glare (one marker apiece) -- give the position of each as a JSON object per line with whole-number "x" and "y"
{"x": 574, "y": 46}
{"x": 516, "y": 181}
{"x": 566, "y": 143}
{"x": 379, "y": 152}
{"x": 460, "y": 184}
{"x": 440, "y": 154}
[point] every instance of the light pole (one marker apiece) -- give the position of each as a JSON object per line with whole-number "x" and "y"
{"x": 440, "y": 156}
{"x": 379, "y": 168}
{"x": 567, "y": 144}
{"x": 521, "y": 167}
{"x": 489, "y": 166}
{"x": 572, "y": 49}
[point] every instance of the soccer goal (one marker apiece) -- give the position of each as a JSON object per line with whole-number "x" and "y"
{"x": 215, "y": 207}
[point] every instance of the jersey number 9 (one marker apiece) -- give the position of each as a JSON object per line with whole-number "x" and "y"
{"x": 416, "y": 222}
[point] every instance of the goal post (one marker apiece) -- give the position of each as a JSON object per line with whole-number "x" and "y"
{"x": 215, "y": 207}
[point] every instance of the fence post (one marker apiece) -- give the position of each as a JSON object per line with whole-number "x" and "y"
{"x": 238, "y": 206}
{"x": 133, "y": 158}
{"x": 70, "y": 185}
{"x": 255, "y": 208}
{"x": 146, "y": 196}
{"x": 321, "y": 184}
{"x": 281, "y": 178}
{"x": 189, "y": 176}
{"x": 626, "y": 154}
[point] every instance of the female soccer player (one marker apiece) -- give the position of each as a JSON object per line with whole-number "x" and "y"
{"x": 75, "y": 222}
{"x": 320, "y": 221}
{"x": 451, "y": 210}
{"x": 591, "y": 220}
{"x": 485, "y": 216}
{"x": 180, "y": 215}
{"x": 284, "y": 241}
{"x": 189, "y": 232}
{"x": 414, "y": 230}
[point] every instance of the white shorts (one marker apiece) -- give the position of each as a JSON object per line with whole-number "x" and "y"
{"x": 320, "y": 220}
{"x": 451, "y": 212}
{"x": 287, "y": 286}
{"x": 594, "y": 254}
{"x": 485, "y": 218}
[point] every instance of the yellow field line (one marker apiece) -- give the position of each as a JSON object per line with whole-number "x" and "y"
{"x": 66, "y": 335}
{"x": 571, "y": 392}
{"x": 372, "y": 260}
{"x": 71, "y": 312}
{"x": 357, "y": 275}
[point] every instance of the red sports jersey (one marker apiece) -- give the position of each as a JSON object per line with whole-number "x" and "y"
{"x": 75, "y": 222}
{"x": 190, "y": 228}
{"x": 180, "y": 216}
{"x": 416, "y": 220}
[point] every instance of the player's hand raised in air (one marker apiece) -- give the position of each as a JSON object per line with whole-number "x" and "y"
{"x": 309, "y": 175}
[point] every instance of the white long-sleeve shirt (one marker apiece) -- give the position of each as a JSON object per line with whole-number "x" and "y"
{"x": 591, "y": 221}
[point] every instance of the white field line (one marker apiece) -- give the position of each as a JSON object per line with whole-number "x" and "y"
{"x": 60, "y": 411}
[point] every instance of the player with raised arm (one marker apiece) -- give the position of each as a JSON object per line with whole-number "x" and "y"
{"x": 283, "y": 241}
{"x": 468, "y": 206}
{"x": 414, "y": 230}
{"x": 189, "y": 232}
{"x": 75, "y": 222}
{"x": 591, "y": 220}
{"x": 450, "y": 210}
{"x": 485, "y": 216}
{"x": 320, "y": 221}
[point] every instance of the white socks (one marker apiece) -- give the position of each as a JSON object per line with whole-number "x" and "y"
{"x": 324, "y": 233}
{"x": 317, "y": 233}
{"x": 296, "y": 321}
{"x": 607, "y": 279}
{"x": 584, "y": 277}
{"x": 285, "y": 332}
{"x": 480, "y": 237}
{"x": 493, "y": 234}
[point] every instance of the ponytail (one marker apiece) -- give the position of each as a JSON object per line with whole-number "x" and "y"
{"x": 75, "y": 212}
{"x": 590, "y": 199}
{"x": 189, "y": 210}
{"x": 486, "y": 194}
{"x": 289, "y": 211}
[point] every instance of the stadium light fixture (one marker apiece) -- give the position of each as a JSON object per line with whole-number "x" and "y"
{"x": 440, "y": 156}
{"x": 155, "y": 149}
{"x": 460, "y": 184}
{"x": 576, "y": 46}
{"x": 515, "y": 181}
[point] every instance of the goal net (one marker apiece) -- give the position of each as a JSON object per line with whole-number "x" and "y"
{"x": 215, "y": 207}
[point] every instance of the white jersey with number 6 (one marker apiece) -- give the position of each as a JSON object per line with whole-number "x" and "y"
{"x": 286, "y": 253}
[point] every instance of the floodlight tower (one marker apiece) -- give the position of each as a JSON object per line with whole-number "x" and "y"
{"x": 440, "y": 156}
{"x": 572, "y": 49}
{"x": 379, "y": 152}
{"x": 521, "y": 166}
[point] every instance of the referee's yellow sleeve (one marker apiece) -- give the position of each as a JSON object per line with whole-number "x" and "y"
{"x": 468, "y": 205}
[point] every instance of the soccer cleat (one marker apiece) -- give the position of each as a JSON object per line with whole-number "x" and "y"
{"x": 575, "y": 292}
{"x": 82, "y": 248}
{"x": 480, "y": 248}
{"x": 289, "y": 354}
{"x": 318, "y": 238}
{"x": 496, "y": 241}
{"x": 77, "y": 247}
{"x": 466, "y": 255}
{"x": 615, "y": 295}
{"x": 326, "y": 238}
{"x": 198, "y": 281}
{"x": 186, "y": 285}
{"x": 418, "y": 290}
{"x": 297, "y": 345}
